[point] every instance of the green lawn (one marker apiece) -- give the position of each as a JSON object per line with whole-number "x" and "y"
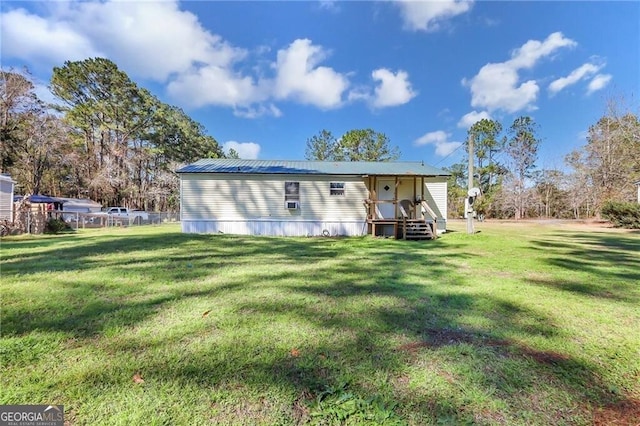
{"x": 519, "y": 324}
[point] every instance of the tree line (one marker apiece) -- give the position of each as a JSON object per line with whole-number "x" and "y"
{"x": 114, "y": 142}
{"x": 606, "y": 169}
{"x": 106, "y": 138}
{"x": 354, "y": 145}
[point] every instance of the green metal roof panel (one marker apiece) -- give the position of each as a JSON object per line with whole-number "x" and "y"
{"x": 216, "y": 165}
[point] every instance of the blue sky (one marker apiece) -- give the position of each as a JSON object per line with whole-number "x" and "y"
{"x": 262, "y": 77}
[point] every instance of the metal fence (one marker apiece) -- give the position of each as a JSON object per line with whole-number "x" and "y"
{"x": 34, "y": 221}
{"x": 101, "y": 220}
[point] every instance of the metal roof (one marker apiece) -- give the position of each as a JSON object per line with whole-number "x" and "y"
{"x": 80, "y": 202}
{"x": 235, "y": 166}
{"x": 36, "y": 198}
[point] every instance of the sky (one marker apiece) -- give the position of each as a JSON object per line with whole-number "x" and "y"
{"x": 262, "y": 77}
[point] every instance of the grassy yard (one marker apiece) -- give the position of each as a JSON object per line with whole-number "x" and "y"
{"x": 520, "y": 324}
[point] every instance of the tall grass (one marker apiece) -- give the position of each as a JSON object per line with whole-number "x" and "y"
{"x": 518, "y": 324}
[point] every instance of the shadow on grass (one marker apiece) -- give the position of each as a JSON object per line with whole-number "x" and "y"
{"x": 381, "y": 307}
{"x": 91, "y": 317}
{"x": 612, "y": 262}
{"x": 124, "y": 270}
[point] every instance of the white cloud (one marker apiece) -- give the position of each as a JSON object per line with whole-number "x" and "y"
{"x": 580, "y": 73}
{"x": 329, "y": 5}
{"x": 497, "y": 85}
{"x": 490, "y": 22}
{"x": 472, "y": 118}
{"x": 429, "y": 15}
{"x": 259, "y": 110}
{"x": 445, "y": 112}
{"x": 131, "y": 33}
{"x": 44, "y": 94}
{"x": 299, "y": 78}
{"x": 360, "y": 93}
{"x": 582, "y": 135}
{"x": 393, "y": 89}
{"x": 390, "y": 89}
{"x": 197, "y": 67}
{"x": 440, "y": 140}
{"x": 245, "y": 150}
{"x": 533, "y": 50}
{"x": 30, "y": 37}
{"x": 599, "y": 82}
{"x": 214, "y": 85}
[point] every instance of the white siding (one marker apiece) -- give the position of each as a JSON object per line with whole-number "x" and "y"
{"x": 436, "y": 196}
{"x": 435, "y": 193}
{"x": 255, "y": 204}
{"x": 6, "y": 198}
{"x": 279, "y": 228}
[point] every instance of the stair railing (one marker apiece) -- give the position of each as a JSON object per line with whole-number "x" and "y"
{"x": 405, "y": 215}
{"x": 433, "y": 215}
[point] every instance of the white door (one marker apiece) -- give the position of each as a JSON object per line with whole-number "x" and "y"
{"x": 386, "y": 191}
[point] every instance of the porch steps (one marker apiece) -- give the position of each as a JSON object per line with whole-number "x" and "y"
{"x": 418, "y": 229}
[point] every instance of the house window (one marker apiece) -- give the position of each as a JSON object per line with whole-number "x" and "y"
{"x": 292, "y": 191}
{"x": 336, "y": 188}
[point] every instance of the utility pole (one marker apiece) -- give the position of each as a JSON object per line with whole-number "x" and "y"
{"x": 470, "y": 180}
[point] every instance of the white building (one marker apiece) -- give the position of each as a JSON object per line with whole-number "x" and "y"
{"x": 80, "y": 205}
{"x": 6, "y": 198}
{"x": 305, "y": 198}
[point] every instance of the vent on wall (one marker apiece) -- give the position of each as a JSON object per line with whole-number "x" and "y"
{"x": 291, "y": 205}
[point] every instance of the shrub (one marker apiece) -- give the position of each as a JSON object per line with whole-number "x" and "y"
{"x": 622, "y": 215}
{"x": 338, "y": 406}
{"x": 55, "y": 226}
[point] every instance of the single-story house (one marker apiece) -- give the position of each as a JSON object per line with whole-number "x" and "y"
{"x": 81, "y": 210}
{"x": 6, "y": 197}
{"x": 307, "y": 198}
{"x": 52, "y": 203}
{"x": 35, "y": 210}
{"x": 80, "y": 205}
{"x": 63, "y": 204}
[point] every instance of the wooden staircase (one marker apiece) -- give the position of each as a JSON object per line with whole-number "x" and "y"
{"x": 414, "y": 229}
{"x": 417, "y": 229}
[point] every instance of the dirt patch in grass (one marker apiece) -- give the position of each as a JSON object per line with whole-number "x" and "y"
{"x": 413, "y": 347}
{"x": 489, "y": 417}
{"x": 248, "y": 333}
{"x": 544, "y": 357}
{"x": 622, "y": 413}
{"x": 445, "y": 337}
{"x": 300, "y": 408}
{"x": 441, "y": 337}
{"x": 252, "y": 411}
{"x": 587, "y": 224}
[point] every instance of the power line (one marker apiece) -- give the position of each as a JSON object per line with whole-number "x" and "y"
{"x": 450, "y": 154}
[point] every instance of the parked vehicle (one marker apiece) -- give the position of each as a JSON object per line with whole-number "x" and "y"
{"x": 132, "y": 216}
